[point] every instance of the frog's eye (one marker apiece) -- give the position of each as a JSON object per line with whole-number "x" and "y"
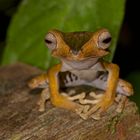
{"x": 104, "y": 40}
{"x": 50, "y": 40}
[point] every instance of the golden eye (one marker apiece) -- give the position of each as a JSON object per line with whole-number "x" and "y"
{"x": 50, "y": 41}
{"x": 104, "y": 40}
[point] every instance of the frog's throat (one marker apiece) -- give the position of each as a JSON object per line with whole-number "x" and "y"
{"x": 79, "y": 65}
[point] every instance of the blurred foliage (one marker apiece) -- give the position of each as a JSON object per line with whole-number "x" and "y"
{"x": 25, "y": 38}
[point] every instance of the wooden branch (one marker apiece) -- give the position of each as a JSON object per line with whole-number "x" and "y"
{"x": 20, "y": 119}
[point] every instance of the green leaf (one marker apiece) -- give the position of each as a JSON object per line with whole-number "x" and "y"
{"x": 25, "y": 39}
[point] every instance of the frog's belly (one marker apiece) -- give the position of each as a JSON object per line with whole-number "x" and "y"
{"x": 86, "y": 75}
{"x": 76, "y": 78}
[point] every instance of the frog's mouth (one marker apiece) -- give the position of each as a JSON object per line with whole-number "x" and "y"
{"x": 87, "y": 55}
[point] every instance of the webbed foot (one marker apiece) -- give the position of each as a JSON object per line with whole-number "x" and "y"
{"x": 63, "y": 102}
{"x": 99, "y": 108}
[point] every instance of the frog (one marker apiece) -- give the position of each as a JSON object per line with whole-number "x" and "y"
{"x": 81, "y": 56}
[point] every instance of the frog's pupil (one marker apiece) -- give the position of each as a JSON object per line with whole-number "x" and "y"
{"x": 107, "y": 40}
{"x": 48, "y": 41}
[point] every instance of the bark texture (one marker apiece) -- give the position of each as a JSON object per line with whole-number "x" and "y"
{"x": 20, "y": 119}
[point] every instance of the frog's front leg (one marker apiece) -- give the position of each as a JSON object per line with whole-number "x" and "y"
{"x": 109, "y": 95}
{"x": 123, "y": 90}
{"x": 57, "y": 99}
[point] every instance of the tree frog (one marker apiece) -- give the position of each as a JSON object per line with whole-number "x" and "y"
{"x": 81, "y": 55}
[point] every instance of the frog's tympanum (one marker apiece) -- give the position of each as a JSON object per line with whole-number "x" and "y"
{"x": 81, "y": 55}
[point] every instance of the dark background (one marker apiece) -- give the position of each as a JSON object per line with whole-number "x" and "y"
{"x": 127, "y": 54}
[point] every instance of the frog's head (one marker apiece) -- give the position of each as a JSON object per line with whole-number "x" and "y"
{"x": 76, "y": 46}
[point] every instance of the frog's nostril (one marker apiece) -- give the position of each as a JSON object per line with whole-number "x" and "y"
{"x": 75, "y": 52}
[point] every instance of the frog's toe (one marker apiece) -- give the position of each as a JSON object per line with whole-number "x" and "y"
{"x": 41, "y": 105}
{"x": 99, "y": 108}
{"x": 82, "y": 110}
{"x": 121, "y": 104}
{"x": 96, "y": 116}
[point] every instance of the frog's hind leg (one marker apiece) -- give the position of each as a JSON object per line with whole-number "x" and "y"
{"x": 41, "y": 81}
{"x": 124, "y": 89}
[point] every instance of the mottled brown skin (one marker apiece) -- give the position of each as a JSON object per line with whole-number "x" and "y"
{"x": 81, "y": 54}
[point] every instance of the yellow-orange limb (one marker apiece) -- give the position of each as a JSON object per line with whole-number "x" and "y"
{"x": 112, "y": 81}
{"x": 109, "y": 95}
{"x": 57, "y": 99}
